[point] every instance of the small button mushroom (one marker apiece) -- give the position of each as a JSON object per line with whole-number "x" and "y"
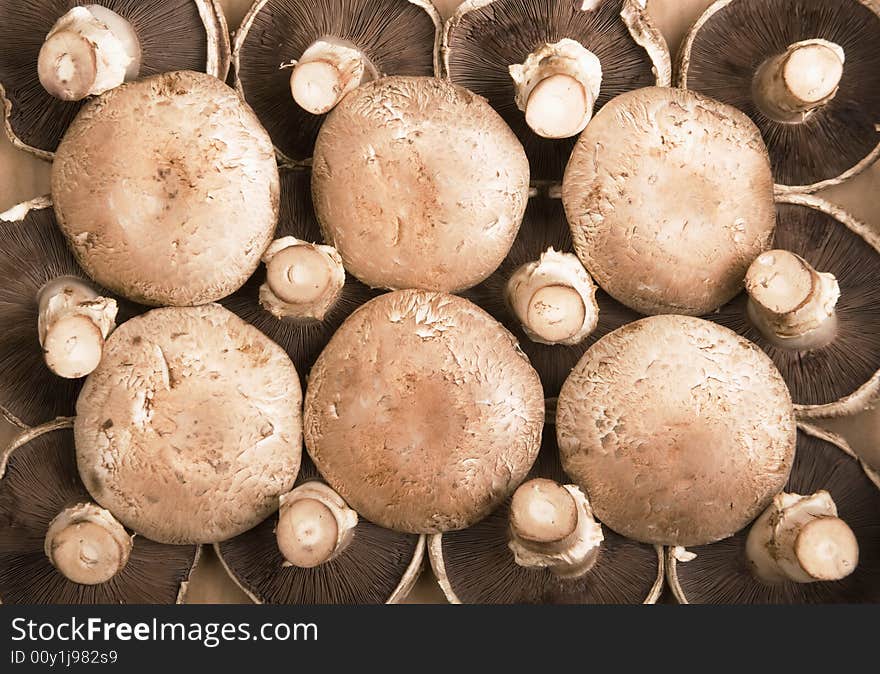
{"x": 204, "y": 436}
{"x": 185, "y": 218}
{"x": 422, "y": 413}
{"x": 546, "y": 67}
{"x": 812, "y": 305}
{"x": 316, "y": 550}
{"x": 680, "y": 431}
{"x": 54, "y": 319}
{"x": 670, "y": 199}
{"x": 814, "y": 544}
{"x": 406, "y": 202}
{"x": 60, "y": 55}
{"x": 805, "y": 71}
{"x": 325, "y": 51}
{"x": 61, "y": 548}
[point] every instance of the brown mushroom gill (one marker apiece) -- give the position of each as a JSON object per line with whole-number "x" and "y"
{"x": 40, "y": 482}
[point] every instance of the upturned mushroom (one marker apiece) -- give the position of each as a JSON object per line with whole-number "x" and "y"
{"x": 302, "y": 294}
{"x": 167, "y": 190}
{"x": 418, "y": 183}
{"x": 59, "y": 547}
{"x": 190, "y": 428}
{"x": 296, "y": 59}
{"x": 317, "y": 550}
{"x": 815, "y": 544}
{"x": 543, "y": 295}
{"x": 545, "y": 546}
{"x": 670, "y": 199}
{"x": 806, "y": 71}
{"x": 547, "y": 67}
{"x": 813, "y": 305}
{"x": 61, "y": 53}
{"x": 54, "y": 319}
{"x": 422, "y": 413}
{"x": 679, "y": 430}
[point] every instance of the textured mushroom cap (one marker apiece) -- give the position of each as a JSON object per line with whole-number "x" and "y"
{"x": 680, "y": 431}
{"x": 190, "y": 428}
{"x": 418, "y": 183}
{"x": 167, "y": 189}
{"x": 422, "y": 412}
{"x": 670, "y": 199}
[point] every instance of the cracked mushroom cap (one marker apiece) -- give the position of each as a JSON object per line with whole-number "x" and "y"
{"x": 397, "y": 37}
{"x": 418, "y": 183}
{"x": 680, "y": 431}
{"x": 833, "y": 142}
{"x": 190, "y": 428}
{"x": 167, "y": 190}
{"x": 38, "y": 480}
{"x": 485, "y": 37}
{"x": 422, "y": 412}
{"x": 172, "y": 35}
{"x": 670, "y": 199}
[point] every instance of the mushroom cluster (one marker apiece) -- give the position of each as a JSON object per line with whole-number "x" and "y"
{"x": 487, "y": 296}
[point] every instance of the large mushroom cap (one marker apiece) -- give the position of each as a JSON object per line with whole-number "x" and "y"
{"x": 171, "y": 34}
{"x": 38, "y": 480}
{"x": 721, "y": 573}
{"x": 167, "y": 189}
{"x": 422, "y": 413}
{"x": 190, "y": 428}
{"x": 419, "y": 184}
{"x": 730, "y": 43}
{"x": 397, "y": 37}
{"x": 485, "y": 37}
{"x": 670, "y": 199}
{"x": 679, "y": 430}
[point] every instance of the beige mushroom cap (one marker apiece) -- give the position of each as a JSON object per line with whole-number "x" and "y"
{"x": 419, "y": 183}
{"x": 167, "y": 189}
{"x": 681, "y": 431}
{"x": 422, "y": 412}
{"x": 190, "y": 428}
{"x": 670, "y": 199}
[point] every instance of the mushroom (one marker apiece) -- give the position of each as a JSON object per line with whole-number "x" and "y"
{"x": 295, "y": 59}
{"x": 61, "y": 53}
{"x": 543, "y": 546}
{"x": 318, "y": 551}
{"x": 300, "y": 328}
{"x": 806, "y": 71}
{"x": 407, "y": 202}
{"x": 167, "y": 190}
{"x": 547, "y": 67}
{"x": 545, "y": 229}
{"x": 54, "y": 319}
{"x": 190, "y": 428}
{"x": 670, "y": 199}
{"x": 60, "y": 548}
{"x": 813, "y": 305}
{"x": 422, "y": 413}
{"x": 679, "y": 430}
{"x": 817, "y": 543}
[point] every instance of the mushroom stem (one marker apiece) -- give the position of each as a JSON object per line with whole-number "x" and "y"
{"x": 790, "y": 86}
{"x": 790, "y": 302}
{"x": 87, "y": 544}
{"x": 552, "y": 527}
{"x": 89, "y": 50}
{"x": 326, "y": 72}
{"x": 303, "y": 280}
{"x": 801, "y": 539}
{"x": 557, "y": 87}
{"x": 72, "y": 325}
{"x": 314, "y": 525}
{"x": 554, "y": 299}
